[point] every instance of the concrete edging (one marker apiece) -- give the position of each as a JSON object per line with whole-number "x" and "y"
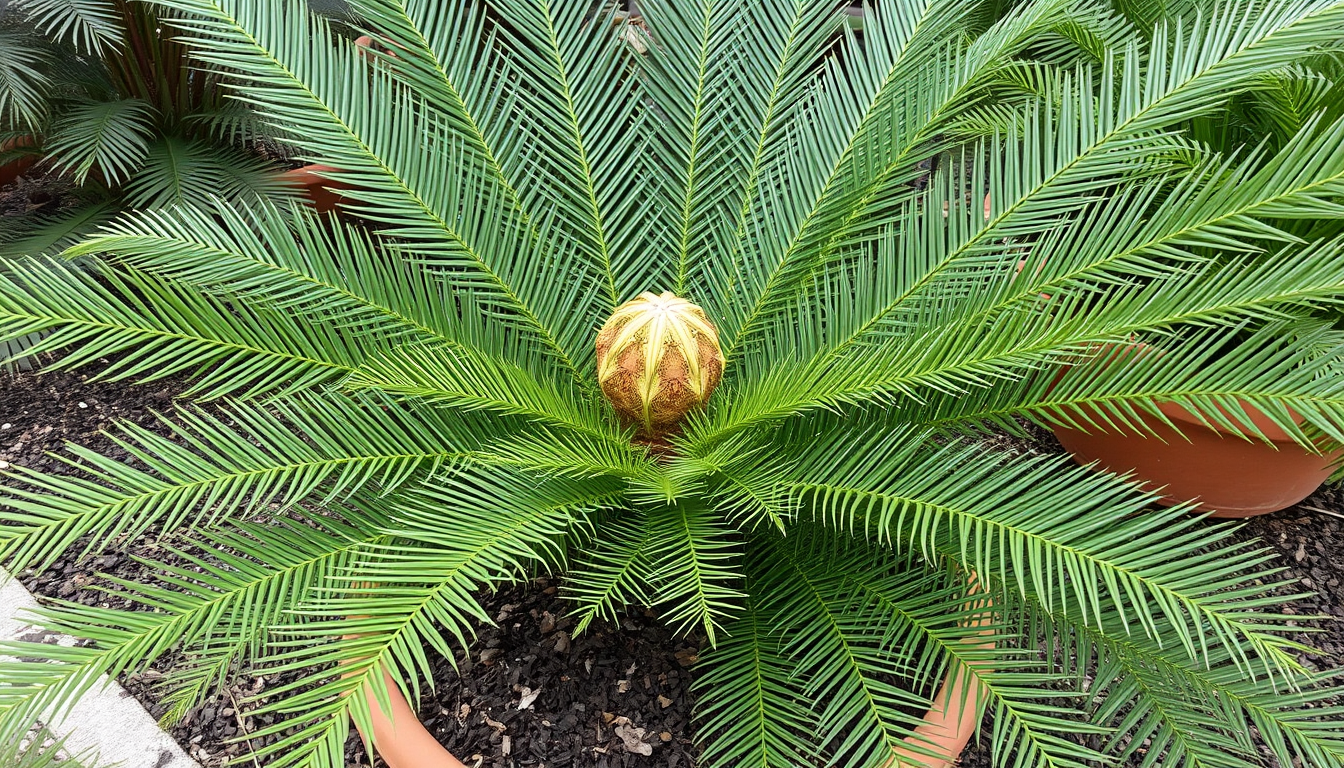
{"x": 106, "y": 720}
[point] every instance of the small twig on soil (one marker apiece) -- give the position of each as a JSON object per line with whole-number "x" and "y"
{"x": 238, "y": 715}
{"x": 1322, "y": 511}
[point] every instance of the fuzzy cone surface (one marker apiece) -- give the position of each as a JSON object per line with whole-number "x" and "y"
{"x": 401, "y": 406}
{"x": 658, "y": 358}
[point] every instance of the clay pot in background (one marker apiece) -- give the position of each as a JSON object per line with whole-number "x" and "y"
{"x": 19, "y": 166}
{"x": 314, "y": 182}
{"x": 1231, "y": 474}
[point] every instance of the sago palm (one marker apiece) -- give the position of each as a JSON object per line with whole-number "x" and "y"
{"x": 409, "y": 404}
{"x": 97, "y": 91}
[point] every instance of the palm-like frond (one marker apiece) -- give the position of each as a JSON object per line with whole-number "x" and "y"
{"x": 223, "y": 603}
{"x": 694, "y": 567}
{"x": 22, "y": 82}
{"x": 325, "y": 448}
{"x": 1191, "y": 715}
{"x": 51, "y": 235}
{"x": 159, "y": 328}
{"x": 1038, "y": 527}
{"x": 469, "y": 528}
{"x": 614, "y": 573}
{"x": 177, "y": 172}
{"x": 961, "y": 214}
{"x": 43, "y": 750}
{"x": 93, "y": 26}
{"x": 464, "y": 222}
{"x": 111, "y": 137}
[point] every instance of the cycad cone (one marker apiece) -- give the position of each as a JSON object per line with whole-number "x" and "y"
{"x": 658, "y": 357}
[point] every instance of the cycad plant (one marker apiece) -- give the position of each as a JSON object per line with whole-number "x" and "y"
{"x": 103, "y": 94}
{"x": 410, "y": 406}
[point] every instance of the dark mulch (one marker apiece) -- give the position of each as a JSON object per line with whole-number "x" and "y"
{"x": 598, "y": 696}
{"x": 36, "y": 194}
{"x": 532, "y": 693}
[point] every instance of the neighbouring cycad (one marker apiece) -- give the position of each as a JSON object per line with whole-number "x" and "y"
{"x": 407, "y": 411}
{"x": 658, "y": 357}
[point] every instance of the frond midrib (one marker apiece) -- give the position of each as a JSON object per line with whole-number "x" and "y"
{"x": 1171, "y": 597}
{"x": 815, "y": 208}
{"x": 989, "y": 227}
{"x": 518, "y": 304}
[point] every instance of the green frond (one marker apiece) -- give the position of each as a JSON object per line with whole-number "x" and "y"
{"x": 210, "y": 470}
{"x": 724, "y": 80}
{"x": 1186, "y": 714}
{"x": 1035, "y": 731}
{"x": 159, "y": 329}
{"x": 614, "y": 573}
{"x": 110, "y": 137}
{"x": 694, "y": 568}
{"x": 50, "y": 235}
{"x": 291, "y": 259}
{"x": 1281, "y": 374}
{"x": 842, "y": 650}
{"x": 335, "y": 102}
{"x": 562, "y": 453}
{"x": 43, "y": 750}
{"x": 964, "y": 351}
{"x": 23, "y": 83}
{"x": 226, "y": 598}
{"x": 1067, "y": 158}
{"x": 580, "y": 108}
{"x": 472, "y": 530}
{"x": 751, "y": 709}
{"x": 1064, "y": 534}
{"x": 911, "y": 46}
{"x": 92, "y": 26}
{"x": 181, "y": 172}
{"x": 464, "y": 378}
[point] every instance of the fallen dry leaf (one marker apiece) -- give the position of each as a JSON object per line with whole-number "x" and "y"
{"x": 633, "y": 739}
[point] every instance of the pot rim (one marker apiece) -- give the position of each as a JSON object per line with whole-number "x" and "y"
{"x": 1178, "y": 413}
{"x": 403, "y": 741}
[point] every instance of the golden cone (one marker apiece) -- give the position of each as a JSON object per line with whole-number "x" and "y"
{"x": 658, "y": 358}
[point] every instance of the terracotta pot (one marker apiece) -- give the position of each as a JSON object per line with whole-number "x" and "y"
{"x": 403, "y": 742}
{"x": 1231, "y": 474}
{"x": 316, "y": 184}
{"x": 399, "y": 737}
{"x": 15, "y": 168}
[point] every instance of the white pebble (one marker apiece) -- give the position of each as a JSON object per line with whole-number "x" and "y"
{"x": 4, "y": 465}
{"x": 6, "y": 425}
{"x": 83, "y": 405}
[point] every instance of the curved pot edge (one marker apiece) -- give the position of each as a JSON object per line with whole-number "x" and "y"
{"x": 15, "y": 168}
{"x": 315, "y": 182}
{"x": 403, "y": 741}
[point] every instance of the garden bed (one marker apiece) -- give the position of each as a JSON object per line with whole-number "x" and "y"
{"x": 602, "y": 699}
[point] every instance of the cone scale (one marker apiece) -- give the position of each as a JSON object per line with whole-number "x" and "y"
{"x": 658, "y": 358}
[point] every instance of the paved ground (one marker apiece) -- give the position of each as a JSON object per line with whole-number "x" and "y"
{"x": 107, "y": 720}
